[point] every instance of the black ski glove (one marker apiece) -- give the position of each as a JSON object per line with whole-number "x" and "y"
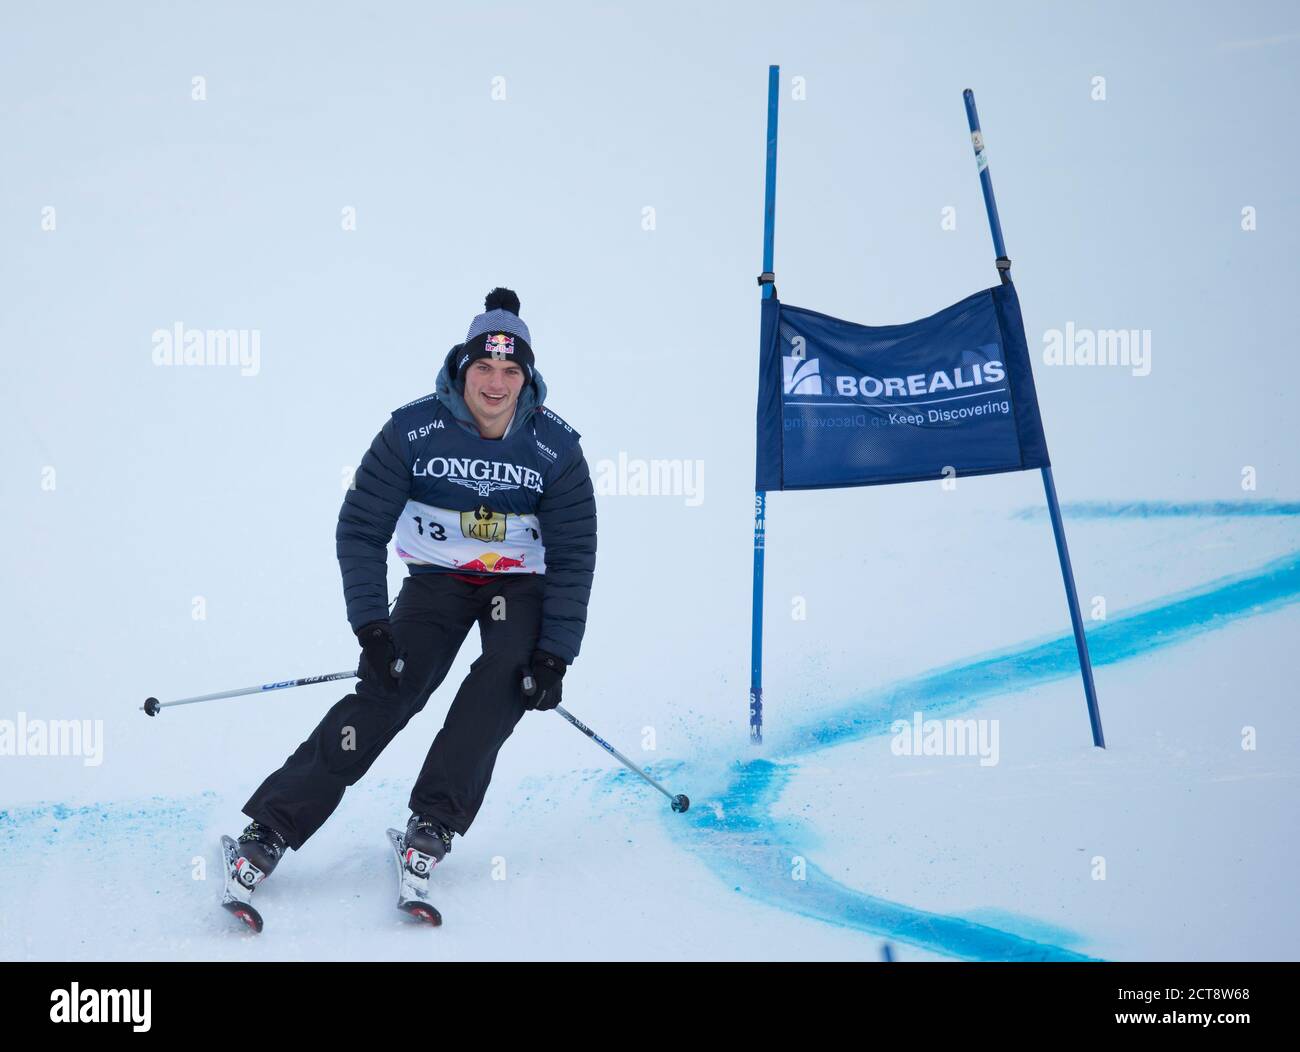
{"x": 543, "y": 686}
{"x": 379, "y": 655}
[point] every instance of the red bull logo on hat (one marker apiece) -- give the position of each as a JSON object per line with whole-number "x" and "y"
{"x": 500, "y": 344}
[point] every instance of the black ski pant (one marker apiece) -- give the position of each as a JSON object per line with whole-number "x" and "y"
{"x": 433, "y": 614}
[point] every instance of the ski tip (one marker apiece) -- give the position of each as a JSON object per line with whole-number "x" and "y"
{"x": 245, "y": 913}
{"x": 422, "y": 911}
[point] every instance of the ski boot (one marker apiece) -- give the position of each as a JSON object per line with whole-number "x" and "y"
{"x": 260, "y": 848}
{"x": 424, "y": 845}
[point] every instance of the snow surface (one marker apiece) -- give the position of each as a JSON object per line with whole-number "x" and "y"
{"x": 938, "y": 855}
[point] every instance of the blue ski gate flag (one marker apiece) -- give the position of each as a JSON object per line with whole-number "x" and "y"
{"x": 841, "y": 404}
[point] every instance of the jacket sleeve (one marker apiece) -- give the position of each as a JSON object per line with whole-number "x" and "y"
{"x": 567, "y": 514}
{"x": 366, "y": 523}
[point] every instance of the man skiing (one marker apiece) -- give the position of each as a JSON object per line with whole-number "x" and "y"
{"x": 491, "y": 503}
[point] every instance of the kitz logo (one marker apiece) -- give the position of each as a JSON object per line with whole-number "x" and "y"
{"x": 802, "y": 375}
{"x": 76, "y": 1005}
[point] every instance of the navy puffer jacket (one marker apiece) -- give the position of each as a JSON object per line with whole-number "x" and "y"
{"x": 464, "y": 504}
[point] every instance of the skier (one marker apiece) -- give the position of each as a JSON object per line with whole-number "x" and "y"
{"x": 492, "y": 504}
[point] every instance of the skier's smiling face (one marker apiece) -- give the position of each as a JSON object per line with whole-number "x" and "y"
{"x": 491, "y": 392}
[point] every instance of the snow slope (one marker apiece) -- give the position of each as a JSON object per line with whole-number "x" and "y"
{"x": 938, "y": 855}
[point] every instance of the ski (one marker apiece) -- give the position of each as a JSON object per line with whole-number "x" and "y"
{"x": 240, "y": 880}
{"x": 413, "y": 881}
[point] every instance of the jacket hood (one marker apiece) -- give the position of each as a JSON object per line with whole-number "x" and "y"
{"x": 531, "y": 397}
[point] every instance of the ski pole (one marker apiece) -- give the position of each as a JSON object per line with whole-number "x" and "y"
{"x": 680, "y": 802}
{"x": 152, "y": 706}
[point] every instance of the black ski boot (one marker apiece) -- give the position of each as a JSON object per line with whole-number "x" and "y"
{"x": 260, "y": 848}
{"x": 426, "y": 843}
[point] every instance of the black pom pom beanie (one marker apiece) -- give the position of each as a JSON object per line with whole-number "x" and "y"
{"x": 497, "y": 333}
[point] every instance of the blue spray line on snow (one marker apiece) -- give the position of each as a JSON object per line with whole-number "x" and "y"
{"x": 757, "y": 859}
{"x": 960, "y": 686}
{"x": 1155, "y": 509}
{"x": 51, "y": 824}
{"x": 742, "y": 841}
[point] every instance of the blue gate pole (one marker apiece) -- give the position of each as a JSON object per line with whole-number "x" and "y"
{"x": 1049, "y": 486}
{"x": 767, "y": 281}
{"x": 756, "y": 627}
